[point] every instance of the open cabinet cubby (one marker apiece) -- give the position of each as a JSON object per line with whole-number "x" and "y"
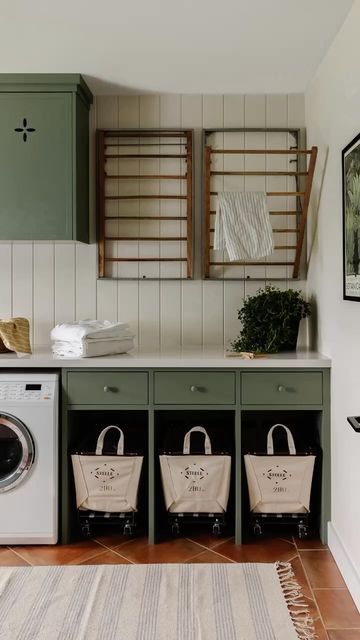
{"x": 306, "y": 429}
{"x": 170, "y": 427}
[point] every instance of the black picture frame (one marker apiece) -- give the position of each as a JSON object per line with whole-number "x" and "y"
{"x": 351, "y": 219}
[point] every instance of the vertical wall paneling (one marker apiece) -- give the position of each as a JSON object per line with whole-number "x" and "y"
{"x": 296, "y": 110}
{"x": 170, "y": 292}
{"x": 213, "y": 292}
{"x": 64, "y": 282}
{"x": 107, "y": 118}
{"x": 128, "y": 291}
{"x": 192, "y": 291}
{"x": 234, "y": 116}
{"x": 44, "y": 291}
{"x": 107, "y": 300}
{"x": 51, "y": 282}
{"x": 255, "y": 116}
{"x": 22, "y": 280}
{"x": 5, "y": 280}
{"x": 149, "y": 314}
{"x": 149, "y": 292}
{"x": 85, "y": 277}
{"x": 276, "y": 116}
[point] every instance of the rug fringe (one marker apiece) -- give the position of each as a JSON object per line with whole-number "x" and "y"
{"x": 298, "y": 609}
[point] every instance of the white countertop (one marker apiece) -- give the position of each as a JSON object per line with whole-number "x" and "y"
{"x": 189, "y": 357}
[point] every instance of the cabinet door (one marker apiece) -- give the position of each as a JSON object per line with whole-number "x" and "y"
{"x": 36, "y": 166}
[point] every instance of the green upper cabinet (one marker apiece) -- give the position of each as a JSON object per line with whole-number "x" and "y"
{"x": 44, "y": 157}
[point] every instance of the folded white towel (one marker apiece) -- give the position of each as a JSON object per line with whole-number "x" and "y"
{"x": 91, "y": 329}
{"x": 85, "y": 348}
{"x": 242, "y": 225}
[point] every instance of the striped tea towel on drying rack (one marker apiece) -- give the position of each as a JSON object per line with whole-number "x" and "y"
{"x": 242, "y": 225}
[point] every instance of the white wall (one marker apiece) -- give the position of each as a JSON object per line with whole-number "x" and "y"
{"x": 333, "y": 119}
{"x": 251, "y": 46}
{"x": 51, "y": 282}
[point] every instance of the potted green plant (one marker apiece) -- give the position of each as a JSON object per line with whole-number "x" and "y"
{"x": 270, "y": 321}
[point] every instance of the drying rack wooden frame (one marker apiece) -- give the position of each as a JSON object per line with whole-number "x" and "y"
{"x": 143, "y": 144}
{"x": 302, "y": 194}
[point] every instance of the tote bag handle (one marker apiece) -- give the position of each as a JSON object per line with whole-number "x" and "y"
{"x": 100, "y": 441}
{"x": 290, "y": 440}
{"x": 207, "y": 443}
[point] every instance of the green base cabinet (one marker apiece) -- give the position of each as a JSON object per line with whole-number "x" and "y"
{"x": 158, "y": 393}
{"x": 44, "y": 157}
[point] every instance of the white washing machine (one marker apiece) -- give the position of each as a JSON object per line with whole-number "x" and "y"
{"x": 28, "y": 458}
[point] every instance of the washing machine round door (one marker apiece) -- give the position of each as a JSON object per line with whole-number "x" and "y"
{"x": 17, "y": 452}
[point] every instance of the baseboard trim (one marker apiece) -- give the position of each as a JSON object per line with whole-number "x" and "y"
{"x": 345, "y": 564}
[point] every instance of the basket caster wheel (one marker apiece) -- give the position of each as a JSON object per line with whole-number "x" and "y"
{"x": 257, "y": 530}
{"x": 175, "y": 529}
{"x": 86, "y": 530}
{"x": 303, "y": 531}
{"x": 216, "y": 528}
{"x": 128, "y": 529}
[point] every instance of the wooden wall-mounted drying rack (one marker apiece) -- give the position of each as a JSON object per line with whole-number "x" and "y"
{"x": 220, "y": 144}
{"x": 145, "y": 203}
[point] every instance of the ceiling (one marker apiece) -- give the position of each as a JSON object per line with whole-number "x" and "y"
{"x": 180, "y": 46}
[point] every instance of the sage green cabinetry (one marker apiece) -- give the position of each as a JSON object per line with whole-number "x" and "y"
{"x": 282, "y": 388}
{"x": 194, "y": 387}
{"x": 108, "y": 387}
{"x": 154, "y": 393}
{"x": 44, "y": 157}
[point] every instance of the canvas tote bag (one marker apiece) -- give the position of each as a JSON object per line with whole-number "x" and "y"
{"x": 279, "y": 484}
{"x": 196, "y": 483}
{"x": 107, "y": 482}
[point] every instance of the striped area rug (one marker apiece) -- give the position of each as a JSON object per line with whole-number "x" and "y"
{"x": 153, "y": 602}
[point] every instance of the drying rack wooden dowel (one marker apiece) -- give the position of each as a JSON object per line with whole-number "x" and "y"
{"x": 147, "y": 238}
{"x": 171, "y": 151}
{"x": 301, "y": 193}
{"x": 146, "y": 259}
{"x": 259, "y": 173}
{"x": 297, "y": 152}
{"x": 136, "y": 133}
{"x": 147, "y": 197}
{"x": 144, "y": 156}
{"x": 279, "y": 247}
{"x": 145, "y": 176}
{"x": 145, "y": 218}
{"x": 292, "y": 230}
{"x": 253, "y": 264}
{"x": 272, "y": 213}
{"x": 274, "y": 193}
{"x": 145, "y": 144}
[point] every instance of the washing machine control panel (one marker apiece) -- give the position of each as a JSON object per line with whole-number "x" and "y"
{"x": 26, "y": 391}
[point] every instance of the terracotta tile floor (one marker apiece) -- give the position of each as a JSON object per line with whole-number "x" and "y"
{"x": 334, "y": 612}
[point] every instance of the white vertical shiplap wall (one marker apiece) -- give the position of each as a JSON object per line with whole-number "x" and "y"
{"x": 50, "y": 282}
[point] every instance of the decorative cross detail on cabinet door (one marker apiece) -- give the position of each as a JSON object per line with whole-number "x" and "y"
{"x": 24, "y": 129}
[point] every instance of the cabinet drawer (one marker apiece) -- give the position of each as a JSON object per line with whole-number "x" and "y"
{"x": 194, "y": 387}
{"x": 107, "y": 387}
{"x": 282, "y": 388}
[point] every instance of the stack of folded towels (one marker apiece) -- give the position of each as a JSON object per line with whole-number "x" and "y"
{"x": 89, "y": 338}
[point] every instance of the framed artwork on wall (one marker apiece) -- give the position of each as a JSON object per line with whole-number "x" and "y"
{"x": 351, "y": 219}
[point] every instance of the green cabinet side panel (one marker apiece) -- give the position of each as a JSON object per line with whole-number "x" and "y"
{"x": 81, "y": 174}
{"x": 36, "y": 186}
